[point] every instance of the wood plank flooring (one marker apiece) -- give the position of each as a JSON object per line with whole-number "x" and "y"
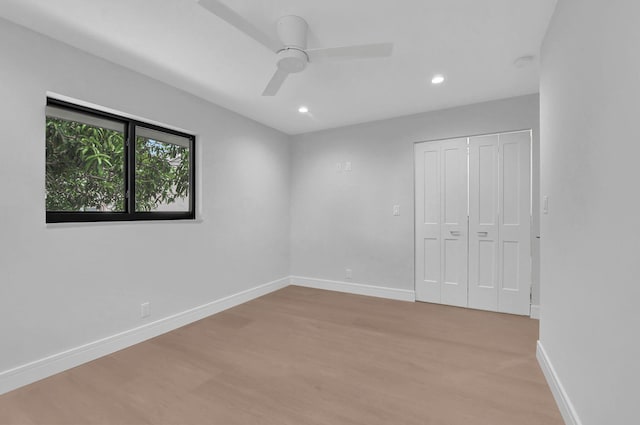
{"x": 303, "y": 356}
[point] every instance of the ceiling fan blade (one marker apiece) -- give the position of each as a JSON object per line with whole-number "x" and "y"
{"x": 226, "y": 14}
{"x": 275, "y": 83}
{"x": 363, "y": 51}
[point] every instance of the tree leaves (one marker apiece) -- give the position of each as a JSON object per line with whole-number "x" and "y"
{"x": 85, "y": 169}
{"x": 162, "y": 173}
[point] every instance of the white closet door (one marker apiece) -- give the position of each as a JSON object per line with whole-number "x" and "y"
{"x": 515, "y": 223}
{"x": 441, "y": 222}
{"x": 483, "y": 222}
{"x": 473, "y": 237}
{"x": 453, "y": 229}
{"x": 427, "y": 214}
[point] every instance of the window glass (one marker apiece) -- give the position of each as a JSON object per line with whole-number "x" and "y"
{"x": 162, "y": 171}
{"x": 84, "y": 163}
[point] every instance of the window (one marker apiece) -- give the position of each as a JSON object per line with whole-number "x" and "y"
{"x": 103, "y": 167}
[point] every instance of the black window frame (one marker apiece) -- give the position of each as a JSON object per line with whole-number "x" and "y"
{"x": 129, "y": 214}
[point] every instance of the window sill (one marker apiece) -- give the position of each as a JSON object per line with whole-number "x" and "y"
{"x": 121, "y": 223}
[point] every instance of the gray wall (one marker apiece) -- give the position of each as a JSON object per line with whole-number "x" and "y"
{"x": 344, "y": 219}
{"x": 62, "y": 286}
{"x": 590, "y": 104}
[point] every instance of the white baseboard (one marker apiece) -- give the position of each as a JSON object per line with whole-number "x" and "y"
{"x": 535, "y": 311}
{"x": 355, "y": 288}
{"x": 567, "y": 410}
{"x": 56, "y": 363}
{"x": 42, "y": 368}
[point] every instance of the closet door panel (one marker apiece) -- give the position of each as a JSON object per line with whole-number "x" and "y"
{"x": 427, "y": 226}
{"x": 515, "y": 223}
{"x": 454, "y": 229}
{"x": 483, "y": 222}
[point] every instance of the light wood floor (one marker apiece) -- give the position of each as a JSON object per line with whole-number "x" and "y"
{"x": 304, "y": 356}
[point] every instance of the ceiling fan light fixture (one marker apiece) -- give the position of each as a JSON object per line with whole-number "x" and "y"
{"x": 292, "y": 60}
{"x": 437, "y": 79}
{"x": 303, "y": 109}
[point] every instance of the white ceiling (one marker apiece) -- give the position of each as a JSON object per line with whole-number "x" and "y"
{"x": 474, "y": 43}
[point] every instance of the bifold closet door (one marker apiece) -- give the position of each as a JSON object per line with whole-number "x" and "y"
{"x": 474, "y": 250}
{"x": 441, "y": 222}
{"x": 514, "y": 291}
{"x": 499, "y": 222}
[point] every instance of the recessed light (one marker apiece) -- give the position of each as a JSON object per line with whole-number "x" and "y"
{"x": 437, "y": 79}
{"x": 303, "y": 109}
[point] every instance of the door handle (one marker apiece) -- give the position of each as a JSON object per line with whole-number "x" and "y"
{"x": 455, "y": 232}
{"x": 483, "y": 233}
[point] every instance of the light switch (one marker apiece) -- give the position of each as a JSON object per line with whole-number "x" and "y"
{"x": 338, "y": 166}
{"x": 396, "y": 210}
{"x": 545, "y": 205}
{"x": 347, "y": 166}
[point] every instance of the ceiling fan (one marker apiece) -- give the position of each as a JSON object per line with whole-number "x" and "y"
{"x": 291, "y": 50}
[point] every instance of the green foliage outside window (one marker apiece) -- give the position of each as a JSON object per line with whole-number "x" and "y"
{"x": 85, "y": 169}
{"x": 162, "y": 173}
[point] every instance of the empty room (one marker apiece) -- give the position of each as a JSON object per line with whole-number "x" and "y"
{"x": 319, "y": 212}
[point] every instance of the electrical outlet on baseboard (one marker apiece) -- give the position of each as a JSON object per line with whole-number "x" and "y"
{"x": 348, "y": 273}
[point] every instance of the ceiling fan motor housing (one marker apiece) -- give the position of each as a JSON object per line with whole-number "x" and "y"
{"x": 292, "y": 31}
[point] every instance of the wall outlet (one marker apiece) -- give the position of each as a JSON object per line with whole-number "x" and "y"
{"x": 144, "y": 310}
{"x": 347, "y": 166}
{"x": 348, "y": 273}
{"x": 396, "y": 210}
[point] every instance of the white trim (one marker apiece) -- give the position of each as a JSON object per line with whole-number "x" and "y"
{"x": 56, "y": 363}
{"x": 355, "y": 288}
{"x": 45, "y": 367}
{"x": 567, "y": 410}
{"x": 535, "y": 312}
{"x": 101, "y": 108}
